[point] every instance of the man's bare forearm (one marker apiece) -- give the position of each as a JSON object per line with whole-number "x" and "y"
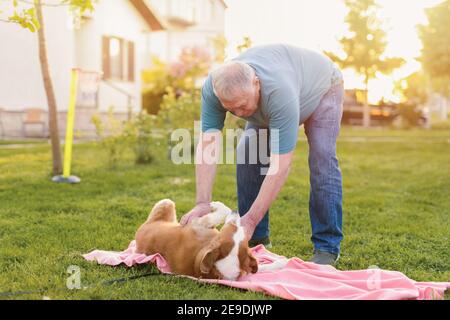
{"x": 268, "y": 192}
{"x": 205, "y": 174}
{"x": 205, "y": 170}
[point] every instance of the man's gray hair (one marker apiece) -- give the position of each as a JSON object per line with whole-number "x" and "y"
{"x": 232, "y": 78}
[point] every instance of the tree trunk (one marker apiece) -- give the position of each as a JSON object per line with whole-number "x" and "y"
{"x": 52, "y": 108}
{"x": 366, "y": 109}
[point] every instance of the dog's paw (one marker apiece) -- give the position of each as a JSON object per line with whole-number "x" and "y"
{"x": 167, "y": 203}
{"x": 220, "y": 208}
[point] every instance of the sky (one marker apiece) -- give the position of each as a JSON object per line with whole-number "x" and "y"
{"x": 318, "y": 24}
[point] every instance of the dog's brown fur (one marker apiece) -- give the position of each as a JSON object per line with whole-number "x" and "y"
{"x": 191, "y": 249}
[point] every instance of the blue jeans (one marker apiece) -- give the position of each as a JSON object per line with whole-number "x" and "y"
{"x": 325, "y": 201}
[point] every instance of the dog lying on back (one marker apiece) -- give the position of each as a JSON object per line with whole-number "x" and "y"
{"x": 198, "y": 249}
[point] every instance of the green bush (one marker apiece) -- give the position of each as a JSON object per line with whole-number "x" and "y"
{"x": 179, "y": 113}
{"x": 181, "y": 76}
{"x": 114, "y": 136}
{"x": 155, "y": 82}
{"x": 410, "y": 114}
{"x": 151, "y": 101}
{"x": 143, "y": 126}
{"x": 137, "y": 134}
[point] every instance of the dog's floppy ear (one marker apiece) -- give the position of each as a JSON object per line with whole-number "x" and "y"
{"x": 208, "y": 260}
{"x": 204, "y": 262}
{"x": 253, "y": 262}
{"x": 247, "y": 261}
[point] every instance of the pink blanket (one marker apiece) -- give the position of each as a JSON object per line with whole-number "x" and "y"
{"x": 300, "y": 279}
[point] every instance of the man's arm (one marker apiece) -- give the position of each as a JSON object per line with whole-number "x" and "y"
{"x": 206, "y": 160}
{"x": 280, "y": 165}
{"x": 284, "y": 125}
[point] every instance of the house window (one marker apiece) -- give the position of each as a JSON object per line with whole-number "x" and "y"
{"x": 118, "y": 59}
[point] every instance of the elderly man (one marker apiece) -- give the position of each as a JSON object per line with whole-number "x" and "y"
{"x": 276, "y": 88}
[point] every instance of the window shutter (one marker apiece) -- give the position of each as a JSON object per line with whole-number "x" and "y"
{"x": 131, "y": 65}
{"x": 122, "y": 70}
{"x": 105, "y": 58}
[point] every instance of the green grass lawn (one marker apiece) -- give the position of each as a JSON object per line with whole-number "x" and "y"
{"x": 396, "y": 214}
{"x": 21, "y": 142}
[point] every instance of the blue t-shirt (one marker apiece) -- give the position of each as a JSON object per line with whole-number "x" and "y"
{"x": 293, "y": 81}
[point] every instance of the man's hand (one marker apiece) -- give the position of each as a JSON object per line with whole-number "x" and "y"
{"x": 198, "y": 211}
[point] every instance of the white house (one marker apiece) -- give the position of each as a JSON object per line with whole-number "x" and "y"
{"x": 187, "y": 23}
{"x": 116, "y": 40}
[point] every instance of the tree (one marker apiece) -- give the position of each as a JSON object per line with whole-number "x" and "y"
{"x": 31, "y": 18}
{"x": 51, "y": 100}
{"x": 413, "y": 88}
{"x": 436, "y": 47}
{"x": 364, "y": 47}
{"x": 435, "y": 40}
